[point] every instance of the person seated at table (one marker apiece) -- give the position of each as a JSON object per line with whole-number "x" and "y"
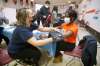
{"x": 23, "y": 43}
{"x": 3, "y": 20}
{"x": 70, "y": 30}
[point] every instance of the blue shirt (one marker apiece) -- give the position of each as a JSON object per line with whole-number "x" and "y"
{"x": 19, "y": 40}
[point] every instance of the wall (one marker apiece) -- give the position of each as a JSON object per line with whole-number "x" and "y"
{"x": 91, "y": 11}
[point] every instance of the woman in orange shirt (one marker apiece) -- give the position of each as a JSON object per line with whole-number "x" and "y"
{"x": 70, "y": 30}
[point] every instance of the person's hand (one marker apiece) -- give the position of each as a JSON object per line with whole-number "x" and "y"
{"x": 43, "y": 36}
{"x": 53, "y": 29}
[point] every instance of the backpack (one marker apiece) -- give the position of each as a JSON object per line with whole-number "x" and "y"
{"x": 90, "y": 51}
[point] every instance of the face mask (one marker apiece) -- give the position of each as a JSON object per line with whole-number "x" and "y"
{"x": 67, "y": 20}
{"x": 46, "y": 6}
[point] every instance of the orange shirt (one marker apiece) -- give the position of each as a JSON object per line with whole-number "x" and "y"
{"x": 74, "y": 28}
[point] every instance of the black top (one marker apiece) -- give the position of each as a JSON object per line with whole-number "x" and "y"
{"x": 19, "y": 39}
{"x": 44, "y": 11}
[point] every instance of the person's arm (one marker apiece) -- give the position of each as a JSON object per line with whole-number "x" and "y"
{"x": 68, "y": 33}
{"x": 71, "y": 31}
{"x": 27, "y": 36}
{"x": 35, "y": 42}
{"x": 46, "y": 29}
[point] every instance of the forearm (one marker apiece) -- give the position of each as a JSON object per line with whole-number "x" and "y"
{"x": 34, "y": 42}
{"x": 43, "y": 42}
{"x": 45, "y": 29}
{"x": 67, "y": 34}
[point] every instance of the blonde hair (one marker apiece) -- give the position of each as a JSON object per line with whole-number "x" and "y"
{"x": 21, "y": 16}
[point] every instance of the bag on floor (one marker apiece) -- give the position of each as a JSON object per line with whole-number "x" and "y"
{"x": 90, "y": 51}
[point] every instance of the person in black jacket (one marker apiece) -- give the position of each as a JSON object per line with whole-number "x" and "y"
{"x": 43, "y": 13}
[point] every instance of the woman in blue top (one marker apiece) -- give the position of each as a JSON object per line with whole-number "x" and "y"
{"x": 23, "y": 43}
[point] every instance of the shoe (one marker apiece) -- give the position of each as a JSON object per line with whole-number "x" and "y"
{"x": 57, "y": 59}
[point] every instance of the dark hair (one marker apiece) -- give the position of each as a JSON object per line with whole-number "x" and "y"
{"x": 47, "y": 2}
{"x": 72, "y": 14}
{"x": 55, "y": 8}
